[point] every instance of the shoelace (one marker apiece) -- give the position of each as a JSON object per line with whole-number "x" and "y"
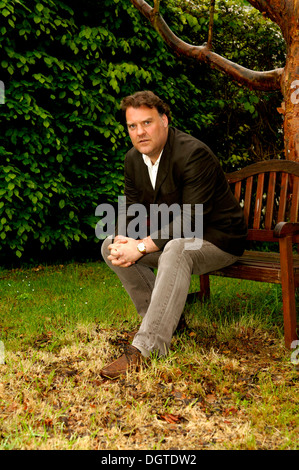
{"x": 128, "y": 351}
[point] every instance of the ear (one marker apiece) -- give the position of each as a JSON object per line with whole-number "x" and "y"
{"x": 165, "y": 120}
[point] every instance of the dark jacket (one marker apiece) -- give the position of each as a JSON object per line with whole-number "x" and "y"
{"x": 189, "y": 173}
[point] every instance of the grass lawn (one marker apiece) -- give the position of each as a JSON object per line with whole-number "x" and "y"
{"x": 228, "y": 382}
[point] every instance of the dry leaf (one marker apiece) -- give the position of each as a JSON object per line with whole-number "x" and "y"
{"x": 211, "y": 397}
{"x": 171, "y": 419}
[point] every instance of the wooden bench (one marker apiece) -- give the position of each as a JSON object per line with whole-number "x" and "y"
{"x": 268, "y": 191}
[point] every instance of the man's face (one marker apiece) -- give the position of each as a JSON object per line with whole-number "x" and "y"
{"x": 148, "y": 130}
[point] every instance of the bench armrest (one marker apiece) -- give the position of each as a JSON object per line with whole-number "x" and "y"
{"x": 282, "y": 229}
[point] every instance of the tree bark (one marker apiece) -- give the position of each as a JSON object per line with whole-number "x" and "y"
{"x": 290, "y": 83}
{"x": 286, "y": 15}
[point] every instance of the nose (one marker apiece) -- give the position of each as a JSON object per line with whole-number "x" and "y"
{"x": 140, "y": 129}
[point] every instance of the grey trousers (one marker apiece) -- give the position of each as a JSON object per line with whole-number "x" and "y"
{"x": 160, "y": 299}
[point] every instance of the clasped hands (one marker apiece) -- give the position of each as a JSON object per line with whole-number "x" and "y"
{"x": 123, "y": 251}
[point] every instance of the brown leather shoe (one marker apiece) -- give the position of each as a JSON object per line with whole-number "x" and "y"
{"x": 128, "y": 361}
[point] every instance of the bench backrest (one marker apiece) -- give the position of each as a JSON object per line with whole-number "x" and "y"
{"x": 268, "y": 191}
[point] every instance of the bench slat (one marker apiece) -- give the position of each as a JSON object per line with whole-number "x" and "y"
{"x": 238, "y": 190}
{"x": 258, "y": 266}
{"x": 248, "y": 195}
{"x": 270, "y": 200}
{"x": 258, "y": 201}
{"x": 283, "y": 197}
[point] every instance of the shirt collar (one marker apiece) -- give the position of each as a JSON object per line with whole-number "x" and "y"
{"x": 148, "y": 161}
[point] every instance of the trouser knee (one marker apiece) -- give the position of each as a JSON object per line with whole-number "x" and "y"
{"x": 173, "y": 250}
{"x": 104, "y": 248}
{"x": 175, "y": 246}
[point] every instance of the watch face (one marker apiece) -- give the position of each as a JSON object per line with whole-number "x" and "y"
{"x": 141, "y": 247}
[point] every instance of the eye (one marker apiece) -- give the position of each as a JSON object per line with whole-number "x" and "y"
{"x": 131, "y": 127}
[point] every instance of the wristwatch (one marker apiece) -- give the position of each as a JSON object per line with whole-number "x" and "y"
{"x": 141, "y": 248}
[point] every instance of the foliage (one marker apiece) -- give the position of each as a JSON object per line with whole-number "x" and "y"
{"x": 65, "y": 66}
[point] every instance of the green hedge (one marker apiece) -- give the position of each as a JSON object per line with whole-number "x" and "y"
{"x": 62, "y": 145}
{"x": 66, "y": 65}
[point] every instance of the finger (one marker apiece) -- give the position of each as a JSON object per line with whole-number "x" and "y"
{"x": 125, "y": 265}
{"x": 119, "y": 237}
{"x": 112, "y": 257}
{"x": 121, "y": 263}
{"x": 114, "y": 249}
{"x": 122, "y": 241}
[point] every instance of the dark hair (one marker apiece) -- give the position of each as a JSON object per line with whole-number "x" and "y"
{"x": 145, "y": 98}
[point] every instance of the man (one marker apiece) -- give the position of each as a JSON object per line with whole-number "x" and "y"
{"x": 167, "y": 166}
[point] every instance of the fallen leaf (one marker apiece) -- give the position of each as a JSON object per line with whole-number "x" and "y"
{"x": 172, "y": 419}
{"x": 211, "y": 397}
{"x": 230, "y": 411}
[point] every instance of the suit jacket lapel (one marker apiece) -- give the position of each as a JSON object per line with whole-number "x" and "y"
{"x": 163, "y": 169}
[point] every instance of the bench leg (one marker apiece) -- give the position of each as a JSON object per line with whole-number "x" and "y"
{"x": 203, "y": 293}
{"x": 288, "y": 290}
{"x": 205, "y": 286}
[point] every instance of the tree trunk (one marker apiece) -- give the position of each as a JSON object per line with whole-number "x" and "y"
{"x": 290, "y": 105}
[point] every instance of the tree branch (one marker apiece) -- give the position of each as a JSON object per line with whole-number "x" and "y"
{"x": 265, "y": 81}
{"x": 266, "y": 6}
